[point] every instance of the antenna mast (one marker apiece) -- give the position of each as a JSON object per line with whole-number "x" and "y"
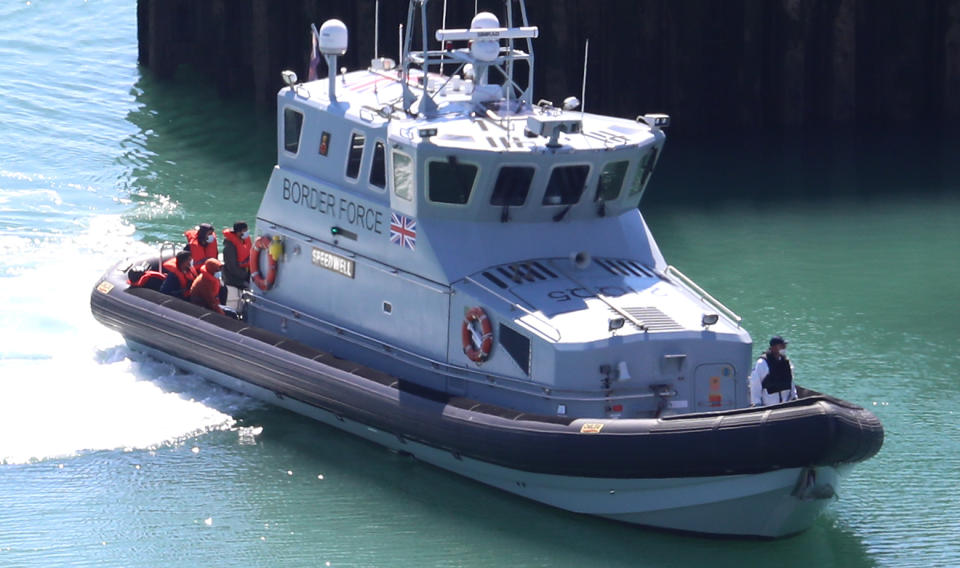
{"x": 583, "y": 89}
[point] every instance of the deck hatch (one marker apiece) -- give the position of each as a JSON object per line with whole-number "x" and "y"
{"x": 653, "y": 318}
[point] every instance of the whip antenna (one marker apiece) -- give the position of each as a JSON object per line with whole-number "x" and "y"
{"x": 376, "y": 29}
{"x": 443, "y": 26}
{"x": 583, "y": 89}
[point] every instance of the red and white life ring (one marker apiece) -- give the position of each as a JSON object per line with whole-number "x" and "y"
{"x": 263, "y": 244}
{"x": 477, "y": 345}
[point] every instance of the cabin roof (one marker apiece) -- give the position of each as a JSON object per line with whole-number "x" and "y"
{"x": 466, "y": 120}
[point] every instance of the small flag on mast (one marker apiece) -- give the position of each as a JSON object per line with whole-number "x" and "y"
{"x": 314, "y": 53}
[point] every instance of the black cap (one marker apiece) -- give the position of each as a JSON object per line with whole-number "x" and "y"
{"x": 777, "y": 340}
{"x": 205, "y": 227}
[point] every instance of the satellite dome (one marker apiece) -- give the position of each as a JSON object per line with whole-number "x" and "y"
{"x": 485, "y": 49}
{"x": 333, "y": 38}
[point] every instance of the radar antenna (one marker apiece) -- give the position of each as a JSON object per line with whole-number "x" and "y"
{"x": 484, "y": 53}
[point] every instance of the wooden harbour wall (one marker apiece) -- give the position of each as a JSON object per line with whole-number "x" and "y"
{"x": 753, "y": 64}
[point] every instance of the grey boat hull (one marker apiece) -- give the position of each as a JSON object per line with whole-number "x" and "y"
{"x": 765, "y": 472}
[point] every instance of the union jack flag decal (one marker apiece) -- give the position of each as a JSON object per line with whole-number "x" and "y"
{"x": 403, "y": 230}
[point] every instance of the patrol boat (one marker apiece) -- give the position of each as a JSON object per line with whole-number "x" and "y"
{"x": 445, "y": 268}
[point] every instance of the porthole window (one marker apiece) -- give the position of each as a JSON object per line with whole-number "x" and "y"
{"x": 403, "y": 178}
{"x": 355, "y": 157}
{"x": 611, "y": 180}
{"x": 292, "y": 125}
{"x": 378, "y": 168}
{"x": 566, "y": 185}
{"x": 450, "y": 181}
{"x": 512, "y": 186}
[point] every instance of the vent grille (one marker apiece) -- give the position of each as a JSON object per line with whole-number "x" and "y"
{"x": 518, "y": 273}
{"x": 653, "y": 319}
{"x": 624, "y": 267}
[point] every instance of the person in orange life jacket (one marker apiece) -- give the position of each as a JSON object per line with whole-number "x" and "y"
{"x": 202, "y": 243}
{"x": 772, "y": 379}
{"x": 236, "y": 256}
{"x": 180, "y": 275}
{"x": 205, "y": 290}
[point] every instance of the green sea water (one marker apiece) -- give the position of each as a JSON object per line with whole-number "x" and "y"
{"x": 845, "y": 243}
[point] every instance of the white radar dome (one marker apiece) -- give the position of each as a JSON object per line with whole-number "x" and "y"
{"x": 333, "y": 38}
{"x": 485, "y": 49}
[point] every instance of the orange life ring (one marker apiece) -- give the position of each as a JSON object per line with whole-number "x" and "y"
{"x": 477, "y": 351}
{"x": 263, "y": 244}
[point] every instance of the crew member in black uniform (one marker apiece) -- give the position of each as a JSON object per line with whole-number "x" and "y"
{"x": 772, "y": 379}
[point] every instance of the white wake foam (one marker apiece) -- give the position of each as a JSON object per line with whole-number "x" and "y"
{"x": 68, "y": 384}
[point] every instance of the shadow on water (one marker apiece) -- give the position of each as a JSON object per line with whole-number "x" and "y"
{"x": 195, "y": 157}
{"x": 805, "y": 166}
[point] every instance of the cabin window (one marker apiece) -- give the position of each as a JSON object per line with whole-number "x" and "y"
{"x": 611, "y": 180}
{"x": 644, "y": 171}
{"x": 450, "y": 181}
{"x": 565, "y": 185}
{"x": 513, "y": 184}
{"x": 403, "y": 179}
{"x": 378, "y": 169}
{"x": 292, "y": 125}
{"x": 517, "y": 345}
{"x": 356, "y": 155}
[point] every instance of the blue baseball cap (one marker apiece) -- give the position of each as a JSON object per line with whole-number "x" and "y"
{"x": 777, "y": 340}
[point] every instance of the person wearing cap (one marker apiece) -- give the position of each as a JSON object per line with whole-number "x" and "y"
{"x": 202, "y": 243}
{"x": 205, "y": 290}
{"x": 772, "y": 379}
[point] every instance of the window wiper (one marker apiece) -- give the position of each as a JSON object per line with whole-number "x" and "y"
{"x": 507, "y": 199}
{"x": 563, "y": 213}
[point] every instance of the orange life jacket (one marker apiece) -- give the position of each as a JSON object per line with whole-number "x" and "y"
{"x": 205, "y": 289}
{"x": 150, "y": 279}
{"x": 243, "y": 247}
{"x": 170, "y": 265}
{"x": 200, "y": 251}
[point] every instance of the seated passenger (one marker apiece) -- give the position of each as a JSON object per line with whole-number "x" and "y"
{"x": 202, "y": 243}
{"x": 205, "y": 290}
{"x": 179, "y": 275}
{"x": 150, "y": 279}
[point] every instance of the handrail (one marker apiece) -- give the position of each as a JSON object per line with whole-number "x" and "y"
{"x": 163, "y": 246}
{"x": 704, "y": 295}
{"x": 432, "y": 365}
